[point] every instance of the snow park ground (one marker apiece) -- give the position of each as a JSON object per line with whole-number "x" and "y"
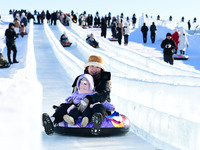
{"x": 161, "y": 101}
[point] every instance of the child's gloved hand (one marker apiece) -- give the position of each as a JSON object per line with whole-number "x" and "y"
{"x": 83, "y": 104}
{"x": 70, "y": 108}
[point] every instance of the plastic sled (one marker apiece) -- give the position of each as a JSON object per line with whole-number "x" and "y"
{"x": 4, "y": 65}
{"x": 84, "y": 27}
{"x": 116, "y": 124}
{"x": 96, "y": 26}
{"x": 112, "y": 39}
{"x": 181, "y": 57}
{"x": 66, "y": 44}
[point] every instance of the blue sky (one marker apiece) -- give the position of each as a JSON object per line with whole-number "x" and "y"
{"x": 176, "y": 8}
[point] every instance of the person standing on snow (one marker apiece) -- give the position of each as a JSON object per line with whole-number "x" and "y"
{"x": 183, "y": 42}
{"x": 11, "y": 36}
{"x": 48, "y": 16}
{"x": 153, "y": 30}
{"x": 134, "y": 19}
{"x": 103, "y": 27}
{"x": 144, "y": 30}
{"x": 119, "y": 33}
{"x": 175, "y": 37}
{"x": 168, "y": 46}
{"x": 126, "y": 29}
{"x": 24, "y": 19}
{"x": 189, "y": 25}
{"x": 114, "y": 27}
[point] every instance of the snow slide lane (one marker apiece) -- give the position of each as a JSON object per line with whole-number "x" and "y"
{"x": 56, "y": 83}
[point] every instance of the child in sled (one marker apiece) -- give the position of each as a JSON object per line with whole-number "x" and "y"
{"x": 22, "y": 29}
{"x": 3, "y": 62}
{"x": 71, "y": 110}
{"x": 64, "y": 39}
{"x": 91, "y": 41}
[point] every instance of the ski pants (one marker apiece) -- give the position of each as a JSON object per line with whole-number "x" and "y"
{"x": 144, "y": 37}
{"x": 75, "y": 113}
{"x": 125, "y": 39}
{"x": 14, "y": 49}
{"x": 153, "y": 36}
{"x": 169, "y": 59}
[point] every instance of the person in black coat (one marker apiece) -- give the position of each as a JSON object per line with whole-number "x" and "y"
{"x": 168, "y": 46}
{"x": 153, "y": 30}
{"x": 134, "y": 19}
{"x": 144, "y": 30}
{"x": 103, "y": 28}
{"x": 189, "y": 25}
{"x": 97, "y": 20}
{"x": 11, "y": 36}
{"x": 114, "y": 27}
{"x": 53, "y": 18}
{"x": 48, "y": 16}
{"x": 119, "y": 33}
{"x": 109, "y": 18}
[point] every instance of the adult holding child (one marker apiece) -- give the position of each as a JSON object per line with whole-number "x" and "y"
{"x": 94, "y": 67}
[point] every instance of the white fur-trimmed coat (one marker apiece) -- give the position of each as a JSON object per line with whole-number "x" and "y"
{"x": 183, "y": 42}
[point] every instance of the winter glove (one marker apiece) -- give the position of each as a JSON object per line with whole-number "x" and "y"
{"x": 70, "y": 108}
{"x": 83, "y": 104}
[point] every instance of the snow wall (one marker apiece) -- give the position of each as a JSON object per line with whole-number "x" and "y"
{"x": 22, "y": 98}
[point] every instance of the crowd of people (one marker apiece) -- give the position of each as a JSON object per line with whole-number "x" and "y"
{"x": 120, "y": 27}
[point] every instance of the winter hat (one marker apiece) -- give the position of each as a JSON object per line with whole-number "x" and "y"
{"x": 168, "y": 34}
{"x": 89, "y": 79}
{"x": 94, "y": 60}
{"x": 11, "y": 24}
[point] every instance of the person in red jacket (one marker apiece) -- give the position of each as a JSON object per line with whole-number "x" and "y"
{"x": 175, "y": 37}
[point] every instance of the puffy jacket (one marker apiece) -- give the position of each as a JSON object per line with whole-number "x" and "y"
{"x": 183, "y": 42}
{"x": 144, "y": 29}
{"x": 153, "y": 28}
{"x": 11, "y": 36}
{"x": 168, "y": 46}
{"x": 126, "y": 29}
{"x": 175, "y": 37}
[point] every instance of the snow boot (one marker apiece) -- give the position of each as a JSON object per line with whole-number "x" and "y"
{"x": 47, "y": 124}
{"x": 84, "y": 122}
{"x": 97, "y": 120}
{"x": 68, "y": 119}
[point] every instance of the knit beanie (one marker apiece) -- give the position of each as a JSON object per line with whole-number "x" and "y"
{"x": 94, "y": 60}
{"x": 168, "y": 34}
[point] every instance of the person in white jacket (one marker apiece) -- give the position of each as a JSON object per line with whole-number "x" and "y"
{"x": 183, "y": 42}
{"x": 126, "y": 32}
